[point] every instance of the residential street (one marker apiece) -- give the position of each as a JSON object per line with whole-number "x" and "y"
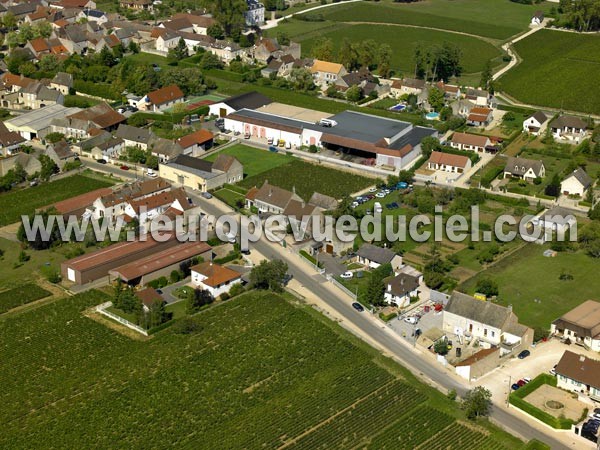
{"x": 338, "y": 307}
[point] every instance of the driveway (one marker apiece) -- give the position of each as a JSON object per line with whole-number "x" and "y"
{"x": 332, "y": 265}
{"x": 168, "y": 291}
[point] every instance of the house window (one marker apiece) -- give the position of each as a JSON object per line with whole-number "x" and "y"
{"x": 493, "y": 333}
{"x": 470, "y": 328}
{"x": 485, "y": 332}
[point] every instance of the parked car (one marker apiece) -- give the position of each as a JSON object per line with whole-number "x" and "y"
{"x": 521, "y": 383}
{"x": 526, "y": 379}
{"x": 207, "y": 195}
{"x": 101, "y": 161}
{"x": 347, "y": 275}
{"x": 159, "y": 291}
{"x": 373, "y": 189}
{"x": 151, "y": 173}
{"x": 287, "y": 278}
{"x": 273, "y": 149}
{"x": 411, "y": 319}
{"x": 358, "y": 307}
{"x": 124, "y": 167}
{"x": 553, "y": 371}
{"x": 33, "y": 183}
{"x": 524, "y": 354}
{"x": 515, "y": 386}
{"x": 380, "y": 195}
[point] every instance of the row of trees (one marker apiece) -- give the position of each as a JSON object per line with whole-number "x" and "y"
{"x": 438, "y": 62}
{"x": 354, "y": 55}
{"x": 581, "y": 15}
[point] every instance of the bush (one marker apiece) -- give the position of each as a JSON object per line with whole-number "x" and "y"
{"x": 387, "y": 317}
{"x": 187, "y": 325}
{"x": 224, "y": 296}
{"x": 175, "y": 276}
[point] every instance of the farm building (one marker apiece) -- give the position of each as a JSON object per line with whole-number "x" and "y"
{"x": 581, "y": 325}
{"x": 160, "y": 264}
{"x": 196, "y": 173}
{"x": 37, "y": 123}
{"x": 390, "y": 142}
{"x": 249, "y": 100}
{"x": 96, "y": 265}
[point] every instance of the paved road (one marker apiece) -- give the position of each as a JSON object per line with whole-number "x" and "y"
{"x": 379, "y": 335}
{"x": 376, "y": 334}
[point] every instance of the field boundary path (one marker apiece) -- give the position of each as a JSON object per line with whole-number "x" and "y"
{"x": 274, "y": 23}
{"x": 514, "y": 57}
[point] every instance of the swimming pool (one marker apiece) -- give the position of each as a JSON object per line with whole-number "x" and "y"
{"x": 399, "y": 107}
{"x": 432, "y": 116}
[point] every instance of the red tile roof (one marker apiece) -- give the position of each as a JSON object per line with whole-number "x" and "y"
{"x": 449, "y": 159}
{"x": 198, "y": 138}
{"x": 165, "y": 94}
{"x": 215, "y": 273}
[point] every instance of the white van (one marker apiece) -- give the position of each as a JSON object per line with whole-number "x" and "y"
{"x": 377, "y": 208}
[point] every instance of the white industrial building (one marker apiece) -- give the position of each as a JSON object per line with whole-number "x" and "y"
{"x": 36, "y": 124}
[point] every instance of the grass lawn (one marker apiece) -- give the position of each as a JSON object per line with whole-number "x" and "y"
{"x": 403, "y": 41}
{"x": 230, "y": 197}
{"x": 309, "y": 178}
{"x": 256, "y": 363}
{"x": 179, "y": 309}
{"x": 148, "y": 58}
{"x": 527, "y": 275}
{"x": 255, "y": 161}
{"x": 558, "y": 70}
{"x": 15, "y": 203}
{"x": 497, "y": 19}
{"x": 14, "y": 274}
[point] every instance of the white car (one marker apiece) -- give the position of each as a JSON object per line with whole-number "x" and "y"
{"x": 151, "y": 173}
{"x": 354, "y": 205}
{"x": 347, "y": 275}
{"x": 411, "y": 319}
{"x": 380, "y": 195}
{"x": 373, "y": 189}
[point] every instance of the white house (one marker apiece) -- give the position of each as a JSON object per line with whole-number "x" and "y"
{"x": 491, "y": 324}
{"x": 568, "y": 128}
{"x": 538, "y": 18}
{"x": 577, "y": 183}
{"x": 372, "y": 256}
{"x": 214, "y": 278}
{"x": 448, "y": 162}
{"x": 581, "y": 325}
{"x": 255, "y": 15}
{"x": 526, "y": 169}
{"x": 557, "y": 221}
{"x": 478, "y": 96}
{"x": 400, "y": 288}
{"x": 535, "y": 124}
{"x": 471, "y": 142}
{"x": 326, "y": 73}
{"x": 163, "y": 98}
{"x": 579, "y": 373}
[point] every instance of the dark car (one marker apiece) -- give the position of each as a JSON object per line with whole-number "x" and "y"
{"x": 358, "y": 307}
{"x": 515, "y": 386}
{"x": 159, "y": 291}
{"x": 524, "y": 354}
{"x": 101, "y": 161}
{"x": 273, "y": 149}
{"x": 287, "y": 278}
{"x": 207, "y": 195}
{"x": 124, "y": 167}
{"x": 521, "y": 383}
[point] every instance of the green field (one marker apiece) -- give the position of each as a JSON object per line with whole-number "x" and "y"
{"x": 558, "y": 70}
{"x": 254, "y": 375}
{"x": 497, "y": 19}
{"x": 255, "y": 161}
{"x": 13, "y": 204}
{"x": 475, "y": 52}
{"x": 21, "y": 295}
{"x": 527, "y": 275}
{"x": 289, "y": 172}
{"x": 309, "y": 178}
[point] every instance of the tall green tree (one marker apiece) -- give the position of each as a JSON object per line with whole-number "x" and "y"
{"x": 477, "y": 402}
{"x": 486, "y": 76}
{"x": 323, "y": 49}
{"x": 269, "y": 275}
{"x": 384, "y": 60}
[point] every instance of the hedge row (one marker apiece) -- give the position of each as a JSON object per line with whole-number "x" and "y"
{"x": 516, "y": 399}
{"x": 102, "y": 90}
{"x": 232, "y": 256}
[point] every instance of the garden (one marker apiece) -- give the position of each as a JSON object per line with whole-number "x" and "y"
{"x": 535, "y": 285}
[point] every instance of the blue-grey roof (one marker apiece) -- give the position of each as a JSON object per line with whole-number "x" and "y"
{"x": 364, "y": 127}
